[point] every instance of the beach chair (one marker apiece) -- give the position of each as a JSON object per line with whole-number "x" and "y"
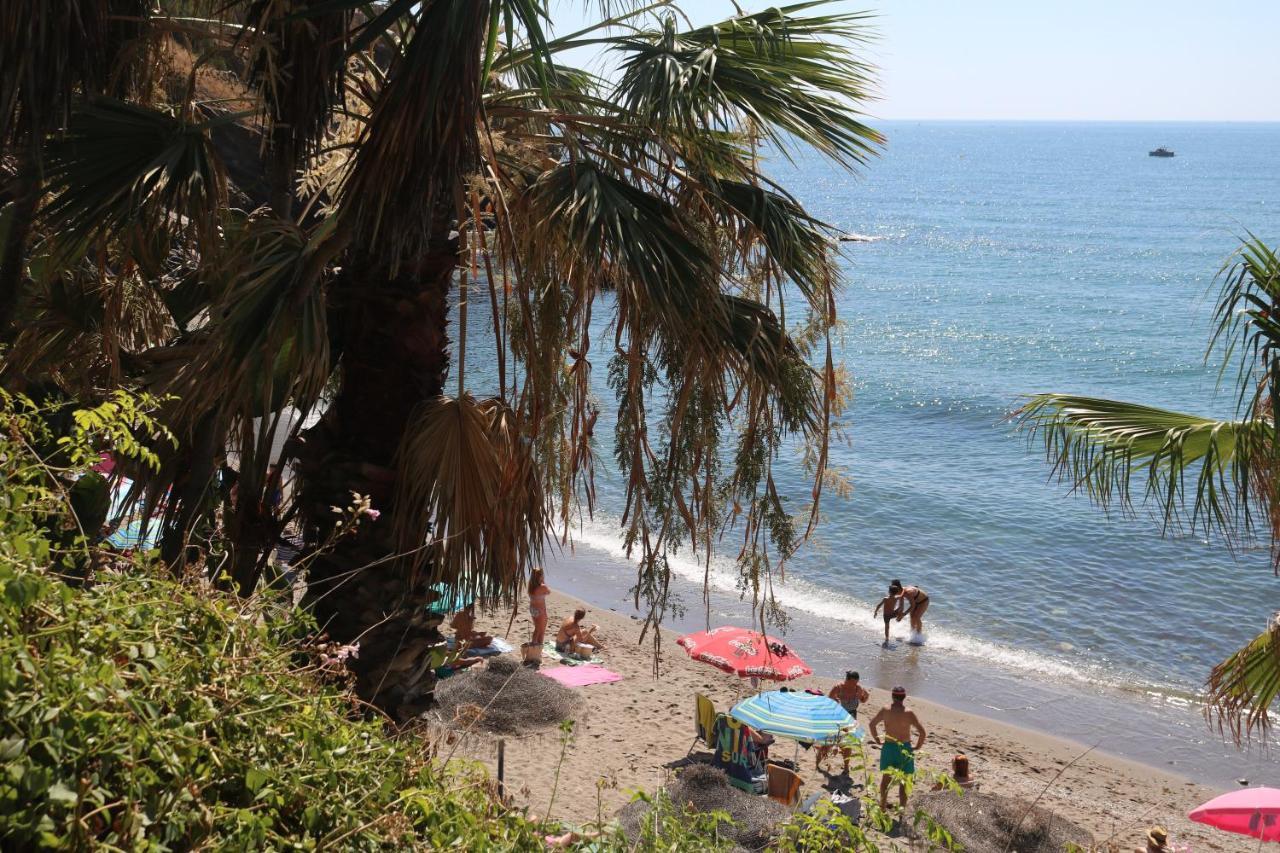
{"x": 704, "y": 722}
{"x": 735, "y": 752}
{"x": 784, "y": 785}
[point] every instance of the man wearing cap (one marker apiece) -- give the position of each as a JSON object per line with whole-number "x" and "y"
{"x": 897, "y": 753}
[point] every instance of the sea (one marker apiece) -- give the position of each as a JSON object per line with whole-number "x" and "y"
{"x": 999, "y": 260}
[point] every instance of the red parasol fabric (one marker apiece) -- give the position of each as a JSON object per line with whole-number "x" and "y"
{"x": 1249, "y": 811}
{"x": 746, "y": 654}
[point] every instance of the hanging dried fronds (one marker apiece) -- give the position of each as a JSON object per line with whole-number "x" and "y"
{"x": 466, "y": 471}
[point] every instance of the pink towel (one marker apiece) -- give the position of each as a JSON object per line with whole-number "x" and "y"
{"x": 580, "y": 676}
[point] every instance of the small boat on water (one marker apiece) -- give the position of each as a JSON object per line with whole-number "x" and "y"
{"x": 1161, "y": 152}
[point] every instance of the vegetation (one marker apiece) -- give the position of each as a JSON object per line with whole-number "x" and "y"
{"x": 262, "y": 211}
{"x": 1205, "y": 474}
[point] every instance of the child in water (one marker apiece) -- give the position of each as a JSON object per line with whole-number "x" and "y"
{"x": 892, "y": 606}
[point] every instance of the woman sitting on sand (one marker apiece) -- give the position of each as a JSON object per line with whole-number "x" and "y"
{"x": 572, "y": 633}
{"x": 960, "y": 773}
{"x": 464, "y": 627}
{"x": 538, "y": 591}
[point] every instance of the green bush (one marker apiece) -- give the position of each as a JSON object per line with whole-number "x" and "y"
{"x": 142, "y": 712}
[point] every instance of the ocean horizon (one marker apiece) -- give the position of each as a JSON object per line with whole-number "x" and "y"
{"x": 1010, "y": 258}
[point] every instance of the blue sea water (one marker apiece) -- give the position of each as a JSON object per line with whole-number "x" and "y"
{"x": 1011, "y": 259}
{"x": 1021, "y": 258}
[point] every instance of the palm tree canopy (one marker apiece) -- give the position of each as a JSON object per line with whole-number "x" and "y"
{"x": 405, "y": 149}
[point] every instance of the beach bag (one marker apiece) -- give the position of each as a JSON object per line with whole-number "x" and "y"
{"x": 531, "y": 652}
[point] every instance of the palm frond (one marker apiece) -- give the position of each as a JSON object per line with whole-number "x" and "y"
{"x": 421, "y": 136}
{"x": 121, "y": 167}
{"x": 465, "y": 466}
{"x": 1111, "y": 449}
{"x": 1241, "y": 690}
{"x": 52, "y": 50}
{"x": 795, "y": 243}
{"x": 791, "y": 77}
{"x": 645, "y": 246}
{"x": 298, "y": 63}
{"x": 1247, "y": 324}
{"x": 267, "y": 338}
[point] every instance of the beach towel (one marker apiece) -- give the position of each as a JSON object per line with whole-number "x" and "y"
{"x": 499, "y": 646}
{"x": 580, "y": 676}
{"x": 549, "y": 651}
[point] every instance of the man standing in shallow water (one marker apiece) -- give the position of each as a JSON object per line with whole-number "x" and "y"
{"x": 897, "y": 753}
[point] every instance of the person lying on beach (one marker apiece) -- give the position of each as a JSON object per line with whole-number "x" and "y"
{"x": 897, "y": 753}
{"x": 572, "y": 633}
{"x": 917, "y": 603}
{"x": 464, "y": 628}
{"x": 850, "y": 694}
{"x": 892, "y": 606}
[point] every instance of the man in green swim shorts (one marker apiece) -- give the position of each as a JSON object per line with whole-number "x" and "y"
{"x": 897, "y": 753}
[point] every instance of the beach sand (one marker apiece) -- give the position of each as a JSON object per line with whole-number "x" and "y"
{"x": 632, "y": 734}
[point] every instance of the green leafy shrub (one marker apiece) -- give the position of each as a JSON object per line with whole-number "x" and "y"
{"x": 142, "y": 712}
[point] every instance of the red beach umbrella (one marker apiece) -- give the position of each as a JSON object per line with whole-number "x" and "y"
{"x": 745, "y": 653}
{"x": 1250, "y": 811}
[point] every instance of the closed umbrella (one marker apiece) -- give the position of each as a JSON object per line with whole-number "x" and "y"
{"x": 1250, "y": 811}
{"x": 802, "y": 717}
{"x": 745, "y": 653}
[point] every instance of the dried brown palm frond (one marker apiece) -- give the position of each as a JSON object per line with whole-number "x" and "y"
{"x": 298, "y": 60}
{"x": 420, "y": 140}
{"x": 466, "y": 466}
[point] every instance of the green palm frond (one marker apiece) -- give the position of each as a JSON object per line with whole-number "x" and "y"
{"x": 1112, "y": 449}
{"x": 796, "y": 243}
{"x": 121, "y": 167}
{"x": 1247, "y": 324}
{"x": 645, "y": 246}
{"x": 267, "y": 338}
{"x": 1242, "y": 689}
{"x": 786, "y": 74}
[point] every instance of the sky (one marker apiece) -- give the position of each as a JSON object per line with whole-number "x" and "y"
{"x": 1100, "y": 60}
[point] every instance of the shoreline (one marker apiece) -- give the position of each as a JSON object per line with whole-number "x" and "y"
{"x": 633, "y": 733}
{"x": 1126, "y": 721}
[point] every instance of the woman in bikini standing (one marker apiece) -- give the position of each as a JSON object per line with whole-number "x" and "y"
{"x": 917, "y": 604}
{"x": 538, "y": 591}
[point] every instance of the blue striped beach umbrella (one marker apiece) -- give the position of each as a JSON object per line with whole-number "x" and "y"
{"x": 799, "y": 716}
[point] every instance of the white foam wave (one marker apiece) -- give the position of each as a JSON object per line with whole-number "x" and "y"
{"x": 796, "y": 594}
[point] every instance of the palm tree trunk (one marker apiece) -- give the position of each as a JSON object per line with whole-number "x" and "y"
{"x": 26, "y": 198}
{"x": 395, "y": 357}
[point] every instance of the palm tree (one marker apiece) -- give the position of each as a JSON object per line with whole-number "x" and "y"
{"x": 1217, "y": 477}
{"x": 279, "y": 202}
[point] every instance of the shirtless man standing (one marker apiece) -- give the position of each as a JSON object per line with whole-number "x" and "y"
{"x": 850, "y": 694}
{"x": 897, "y": 753}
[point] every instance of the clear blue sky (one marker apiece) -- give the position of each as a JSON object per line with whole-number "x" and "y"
{"x": 1117, "y": 60}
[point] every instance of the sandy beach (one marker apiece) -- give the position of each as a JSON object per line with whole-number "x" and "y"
{"x": 632, "y": 734}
